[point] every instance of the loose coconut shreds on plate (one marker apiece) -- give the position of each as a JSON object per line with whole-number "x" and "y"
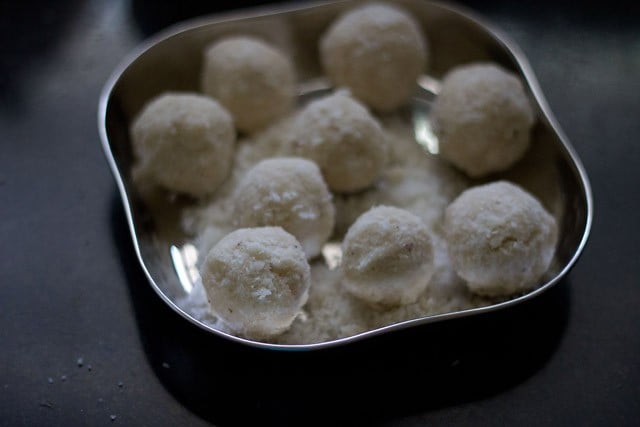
{"x": 412, "y": 179}
{"x": 331, "y": 313}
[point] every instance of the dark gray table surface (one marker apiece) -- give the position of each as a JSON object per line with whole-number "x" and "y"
{"x": 85, "y": 341}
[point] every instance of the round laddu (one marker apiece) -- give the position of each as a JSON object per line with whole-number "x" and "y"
{"x": 256, "y": 280}
{"x": 255, "y": 81}
{"x": 183, "y": 142}
{"x": 288, "y": 192}
{"x": 500, "y": 238}
{"x": 343, "y": 138}
{"x": 387, "y": 257}
{"x": 482, "y": 118}
{"x": 378, "y": 51}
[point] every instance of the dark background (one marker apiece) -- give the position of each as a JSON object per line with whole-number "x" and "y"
{"x": 84, "y": 339}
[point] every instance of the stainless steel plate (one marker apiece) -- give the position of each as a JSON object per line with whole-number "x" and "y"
{"x": 171, "y": 61}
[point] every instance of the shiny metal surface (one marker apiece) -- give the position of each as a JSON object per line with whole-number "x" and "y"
{"x": 171, "y": 61}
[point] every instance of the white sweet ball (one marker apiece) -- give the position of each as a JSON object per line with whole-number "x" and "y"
{"x": 343, "y": 138}
{"x": 255, "y": 81}
{"x": 501, "y": 240}
{"x": 376, "y": 50}
{"x": 256, "y": 280}
{"x": 387, "y": 257}
{"x": 288, "y": 192}
{"x": 183, "y": 142}
{"x": 482, "y": 118}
